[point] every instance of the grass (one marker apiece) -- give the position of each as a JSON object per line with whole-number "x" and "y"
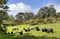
{"x": 55, "y": 26}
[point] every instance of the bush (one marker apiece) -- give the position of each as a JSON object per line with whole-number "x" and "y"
{"x": 50, "y": 20}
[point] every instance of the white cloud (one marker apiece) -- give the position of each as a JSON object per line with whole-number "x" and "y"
{"x": 57, "y": 7}
{"x": 35, "y": 11}
{"x": 20, "y": 7}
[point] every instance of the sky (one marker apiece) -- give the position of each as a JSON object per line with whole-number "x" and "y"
{"x": 16, "y": 6}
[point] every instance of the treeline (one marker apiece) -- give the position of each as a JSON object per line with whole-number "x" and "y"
{"x": 44, "y": 15}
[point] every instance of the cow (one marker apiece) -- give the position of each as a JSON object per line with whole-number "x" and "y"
{"x": 27, "y": 30}
{"x": 32, "y": 28}
{"x": 15, "y": 29}
{"x": 44, "y": 30}
{"x": 11, "y": 32}
{"x": 8, "y": 33}
{"x": 50, "y": 30}
{"x": 37, "y": 28}
{"x": 21, "y": 33}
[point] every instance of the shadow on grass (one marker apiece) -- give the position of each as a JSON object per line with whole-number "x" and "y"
{"x": 26, "y": 36}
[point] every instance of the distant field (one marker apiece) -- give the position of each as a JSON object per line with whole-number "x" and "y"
{"x": 55, "y": 26}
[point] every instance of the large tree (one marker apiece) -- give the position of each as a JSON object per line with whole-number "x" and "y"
{"x": 28, "y": 15}
{"x": 51, "y": 11}
{"x": 19, "y": 17}
{"x": 3, "y": 13}
{"x": 43, "y": 12}
{"x": 47, "y": 12}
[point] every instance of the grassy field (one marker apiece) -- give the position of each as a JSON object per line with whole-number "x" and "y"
{"x": 55, "y": 26}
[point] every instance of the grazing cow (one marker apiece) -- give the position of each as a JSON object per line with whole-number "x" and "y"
{"x": 11, "y": 32}
{"x": 32, "y": 28}
{"x": 21, "y": 33}
{"x": 44, "y": 30}
{"x": 15, "y": 29}
{"x": 8, "y": 33}
{"x": 27, "y": 30}
{"x": 37, "y": 28}
{"x": 50, "y": 30}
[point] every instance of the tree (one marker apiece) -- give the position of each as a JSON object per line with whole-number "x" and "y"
{"x": 43, "y": 12}
{"x": 28, "y": 15}
{"x": 58, "y": 14}
{"x": 11, "y": 17}
{"x": 3, "y": 14}
{"x": 10, "y": 20}
{"x": 3, "y": 2}
{"x": 20, "y": 17}
{"x": 51, "y": 11}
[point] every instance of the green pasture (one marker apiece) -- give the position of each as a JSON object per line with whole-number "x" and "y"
{"x": 55, "y": 26}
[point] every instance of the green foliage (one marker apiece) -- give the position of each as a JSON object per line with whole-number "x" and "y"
{"x": 19, "y": 18}
{"x": 28, "y": 15}
{"x": 3, "y": 14}
{"x": 50, "y": 20}
{"x": 3, "y": 1}
{"x": 51, "y": 12}
{"x": 58, "y": 15}
{"x": 47, "y": 12}
{"x": 43, "y": 12}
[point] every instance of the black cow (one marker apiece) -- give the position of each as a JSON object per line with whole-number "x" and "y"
{"x": 27, "y": 30}
{"x": 37, "y": 28}
{"x": 50, "y": 30}
{"x": 8, "y": 33}
{"x": 32, "y": 28}
{"x": 44, "y": 30}
{"x": 21, "y": 33}
{"x": 15, "y": 29}
{"x": 11, "y": 32}
{"x": 47, "y": 30}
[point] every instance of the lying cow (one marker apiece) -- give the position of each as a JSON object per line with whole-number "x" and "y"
{"x": 27, "y": 30}
{"x": 37, "y": 28}
{"x": 44, "y": 30}
{"x": 50, "y": 30}
{"x": 15, "y": 29}
{"x": 21, "y": 33}
{"x": 32, "y": 28}
{"x": 47, "y": 30}
{"x": 8, "y": 33}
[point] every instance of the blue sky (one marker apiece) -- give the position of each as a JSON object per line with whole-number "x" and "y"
{"x": 34, "y": 5}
